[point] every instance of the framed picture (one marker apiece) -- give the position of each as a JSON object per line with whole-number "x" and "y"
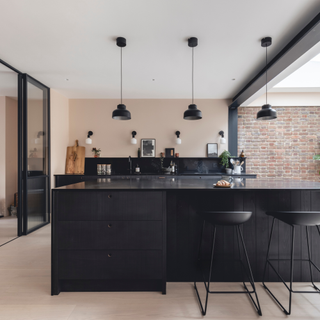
{"x": 169, "y": 152}
{"x": 212, "y": 150}
{"x": 148, "y": 148}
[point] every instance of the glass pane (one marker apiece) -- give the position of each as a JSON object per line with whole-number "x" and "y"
{"x": 8, "y": 154}
{"x": 37, "y": 198}
{"x": 37, "y": 131}
{"x": 37, "y": 201}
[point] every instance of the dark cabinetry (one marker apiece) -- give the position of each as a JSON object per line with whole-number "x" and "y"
{"x": 109, "y": 240}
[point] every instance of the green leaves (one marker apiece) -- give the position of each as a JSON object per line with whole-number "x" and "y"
{"x": 224, "y": 156}
{"x": 316, "y": 157}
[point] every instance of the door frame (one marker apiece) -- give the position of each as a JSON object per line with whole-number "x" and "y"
{"x": 23, "y": 79}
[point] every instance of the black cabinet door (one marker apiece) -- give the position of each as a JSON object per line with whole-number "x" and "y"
{"x": 113, "y": 205}
{"x": 119, "y": 235}
{"x": 102, "y": 264}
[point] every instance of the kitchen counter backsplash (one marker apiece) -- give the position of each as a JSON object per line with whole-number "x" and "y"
{"x": 190, "y": 165}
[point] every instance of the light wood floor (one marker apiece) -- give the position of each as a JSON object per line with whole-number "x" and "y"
{"x": 8, "y": 228}
{"x": 25, "y": 294}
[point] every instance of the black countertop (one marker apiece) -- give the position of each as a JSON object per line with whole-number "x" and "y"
{"x": 177, "y": 183}
{"x": 217, "y": 174}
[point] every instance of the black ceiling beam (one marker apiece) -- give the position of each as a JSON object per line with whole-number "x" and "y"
{"x": 9, "y": 66}
{"x": 299, "y": 45}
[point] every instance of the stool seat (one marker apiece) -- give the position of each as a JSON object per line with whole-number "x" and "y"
{"x": 226, "y": 218}
{"x": 301, "y": 218}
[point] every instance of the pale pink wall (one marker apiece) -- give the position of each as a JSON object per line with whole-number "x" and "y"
{"x": 59, "y": 132}
{"x": 151, "y": 118}
{"x": 11, "y": 150}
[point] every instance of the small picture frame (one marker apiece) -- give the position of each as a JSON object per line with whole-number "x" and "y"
{"x": 169, "y": 152}
{"x": 212, "y": 150}
{"x": 148, "y": 148}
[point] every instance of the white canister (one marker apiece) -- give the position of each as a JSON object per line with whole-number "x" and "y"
{"x": 237, "y": 169}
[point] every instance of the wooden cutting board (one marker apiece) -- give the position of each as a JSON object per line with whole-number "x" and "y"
{"x": 75, "y": 159}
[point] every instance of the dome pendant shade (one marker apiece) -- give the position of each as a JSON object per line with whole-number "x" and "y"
{"x": 121, "y": 113}
{"x": 192, "y": 113}
{"x": 267, "y": 113}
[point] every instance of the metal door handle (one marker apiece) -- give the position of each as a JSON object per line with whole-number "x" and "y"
{"x": 109, "y": 196}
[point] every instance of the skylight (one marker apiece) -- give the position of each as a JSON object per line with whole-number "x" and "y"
{"x": 306, "y": 78}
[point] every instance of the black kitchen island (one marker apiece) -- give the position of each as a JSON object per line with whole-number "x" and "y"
{"x": 135, "y": 234}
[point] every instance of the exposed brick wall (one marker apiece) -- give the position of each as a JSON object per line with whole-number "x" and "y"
{"x": 281, "y": 148}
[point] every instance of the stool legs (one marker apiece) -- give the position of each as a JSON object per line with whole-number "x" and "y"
{"x": 207, "y": 284}
{"x": 290, "y": 288}
{"x": 250, "y": 276}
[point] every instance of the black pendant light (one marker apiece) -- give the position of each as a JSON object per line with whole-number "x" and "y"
{"x": 121, "y": 113}
{"x": 192, "y": 113}
{"x": 266, "y": 113}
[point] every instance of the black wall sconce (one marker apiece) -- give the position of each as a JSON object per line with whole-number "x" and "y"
{"x": 133, "y": 139}
{"x": 222, "y": 139}
{"x": 89, "y": 140}
{"x": 178, "y": 140}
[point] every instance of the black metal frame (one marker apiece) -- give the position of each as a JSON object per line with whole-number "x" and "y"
{"x": 299, "y": 45}
{"x": 23, "y": 153}
{"x": 20, "y": 154}
{"x": 233, "y": 131}
{"x": 290, "y": 289}
{"x": 244, "y": 272}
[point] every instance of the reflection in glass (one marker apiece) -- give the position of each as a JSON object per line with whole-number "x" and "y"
{"x": 36, "y": 131}
{"x": 37, "y": 202}
{"x": 8, "y": 154}
{"x": 37, "y": 156}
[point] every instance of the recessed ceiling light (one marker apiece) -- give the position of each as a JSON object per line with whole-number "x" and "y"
{"x": 153, "y": 79}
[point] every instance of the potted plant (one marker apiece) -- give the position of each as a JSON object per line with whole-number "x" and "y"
{"x": 224, "y": 156}
{"x": 96, "y": 152}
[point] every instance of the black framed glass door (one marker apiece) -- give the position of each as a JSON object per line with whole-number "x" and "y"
{"x": 34, "y": 154}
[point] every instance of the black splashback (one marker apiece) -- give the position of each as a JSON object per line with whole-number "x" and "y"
{"x": 153, "y": 165}
{"x": 200, "y": 165}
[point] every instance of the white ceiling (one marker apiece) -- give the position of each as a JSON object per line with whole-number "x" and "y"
{"x": 75, "y": 39}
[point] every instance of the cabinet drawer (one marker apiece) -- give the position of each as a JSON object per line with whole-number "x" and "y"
{"x": 124, "y": 235}
{"x": 109, "y": 205}
{"x": 110, "y": 264}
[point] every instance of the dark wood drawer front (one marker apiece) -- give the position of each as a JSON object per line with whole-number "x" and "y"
{"x": 125, "y": 235}
{"x": 122, "y": 205}
{"x": 133, "y": 205}
{"x": 110, "y": 264}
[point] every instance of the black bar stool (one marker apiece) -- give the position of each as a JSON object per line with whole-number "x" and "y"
{"x": 293, "y": 218}
{"x": 226, "y": 218}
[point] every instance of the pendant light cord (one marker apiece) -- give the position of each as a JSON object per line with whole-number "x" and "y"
{"x": 266, "y": 75}
{"x": 121, "y": 74}
{"x": 192, "y": 75}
